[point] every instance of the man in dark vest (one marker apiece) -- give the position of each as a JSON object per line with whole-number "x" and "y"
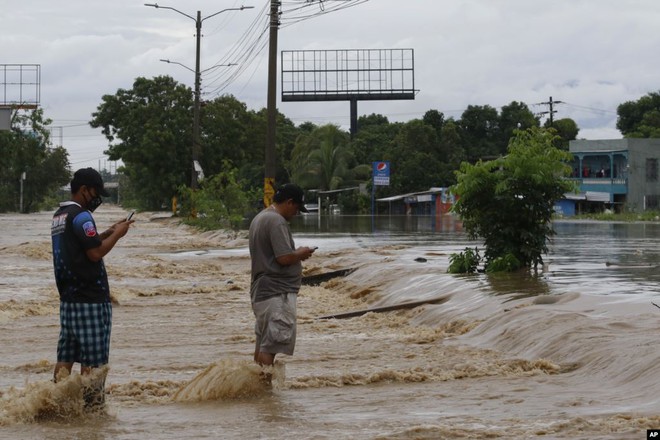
{"x": 82, "y": 281}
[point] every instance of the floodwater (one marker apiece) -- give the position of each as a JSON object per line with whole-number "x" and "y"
{"x": 569, "y": 352}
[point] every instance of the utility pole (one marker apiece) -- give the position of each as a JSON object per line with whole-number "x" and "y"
{"x": 271, "y": 105}
{"x": 552, "y": 111}
{"x": 196, "y": 109}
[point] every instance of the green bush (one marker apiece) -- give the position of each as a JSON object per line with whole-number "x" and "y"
{"x": 506, "y": 263}
{"x": 509, "y": 201}
{"x": 464, "y": 262}
{"x": 220, "y": 202}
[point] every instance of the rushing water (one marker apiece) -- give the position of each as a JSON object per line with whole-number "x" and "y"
{"x": 594, "y": 257}
{"x": 567, "y": 352}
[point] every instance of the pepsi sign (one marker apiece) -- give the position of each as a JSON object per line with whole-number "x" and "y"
{"x": 381, "y": 173}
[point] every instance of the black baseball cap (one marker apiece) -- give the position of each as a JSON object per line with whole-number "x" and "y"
{"x": 88, "y": 177}
{"x": 293, "y": 192}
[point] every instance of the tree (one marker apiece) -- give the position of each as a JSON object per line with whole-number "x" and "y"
{"x": 416, "y": 171}
{"x": 451, "y": 153}
{"x": 435, "y": 119}
{"x": 285, "y": 140}
{"x": 416, "y": 135}
{"x": 26, "y": 148}
{"x": 220, "y": 202}
{"x": 509, "y": 201}
{"x": 515, "y": 116}
{"x": 153, "y": 124}
{"x": 415, "y": 157}
{"x": 226, "y": 126}
{"x": 322, "y": 159}
{"x": 374, "y": 137}
{"x": 328, "y": 161}
{"x": 480, "y": 133}
{"x": 566, "y": 129}
{"x": 641, "y": 118}
{"x": 372, "y": 120}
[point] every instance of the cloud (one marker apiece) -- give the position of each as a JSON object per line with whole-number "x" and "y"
{"x": 592, "y": 55}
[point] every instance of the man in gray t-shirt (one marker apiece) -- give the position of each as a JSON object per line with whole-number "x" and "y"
{"x": 276, "y": 274}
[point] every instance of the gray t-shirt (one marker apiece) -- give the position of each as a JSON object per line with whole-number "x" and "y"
{"x": 270, "y": 237}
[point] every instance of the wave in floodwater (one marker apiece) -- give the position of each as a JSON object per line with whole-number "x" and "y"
{"x": 564, "y": 352}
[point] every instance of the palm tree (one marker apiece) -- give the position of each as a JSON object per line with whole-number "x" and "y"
{"x": 328, "y": 161}
{"x": 319, "y": 159}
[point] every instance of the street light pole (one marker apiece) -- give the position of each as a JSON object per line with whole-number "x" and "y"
{"x": 196, "y": 109}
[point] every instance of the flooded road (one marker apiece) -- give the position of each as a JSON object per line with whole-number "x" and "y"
{"x": 570, "y": 352}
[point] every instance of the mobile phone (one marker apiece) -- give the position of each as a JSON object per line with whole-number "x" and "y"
{"x": 130, "y": 216}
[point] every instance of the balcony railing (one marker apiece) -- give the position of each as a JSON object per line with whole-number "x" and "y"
{"x": 603, "y": 184}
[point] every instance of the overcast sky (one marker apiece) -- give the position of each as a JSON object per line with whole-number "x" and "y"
{"x": 590, "y": 54}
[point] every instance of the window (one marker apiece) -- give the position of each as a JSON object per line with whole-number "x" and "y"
{"x": 652, "y": 202}
{"x": 651, "y": 170}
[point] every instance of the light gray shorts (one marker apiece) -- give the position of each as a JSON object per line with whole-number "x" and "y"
{"x": 275, "y": 327}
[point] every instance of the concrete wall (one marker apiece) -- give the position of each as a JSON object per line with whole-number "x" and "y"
{"x": 639, "y": 187}
{"x": 5, "y": 118}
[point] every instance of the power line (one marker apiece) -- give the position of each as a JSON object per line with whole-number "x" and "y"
{"x": 298, "y": 13}
{"x": 243, "y": 53}
{"x": 591, "y": 109}
{"x": 223, "y": 22}
{"x": 254, "y": 41}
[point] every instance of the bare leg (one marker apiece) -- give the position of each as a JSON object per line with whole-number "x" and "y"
{"x": 68, "y": 366}
{"x": 94, "y": 393}
{"x": 265, "y": 359}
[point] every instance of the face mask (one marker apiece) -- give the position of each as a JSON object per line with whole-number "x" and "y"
{"x": 94, "y": 203}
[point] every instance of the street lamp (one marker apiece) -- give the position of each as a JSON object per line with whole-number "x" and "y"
{"x": 201, "y": 71}
{"x": 198, "y": 26}
{"x": 176, "y": 62}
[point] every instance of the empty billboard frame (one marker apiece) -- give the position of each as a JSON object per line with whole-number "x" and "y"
{"x": 20, "y": 86}
{"x": 348, "y": 74}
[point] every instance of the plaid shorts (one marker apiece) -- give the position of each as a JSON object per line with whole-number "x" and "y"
{"x": 85, "y": 333}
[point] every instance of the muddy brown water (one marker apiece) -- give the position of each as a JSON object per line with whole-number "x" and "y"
{"x": 570, "y": 352}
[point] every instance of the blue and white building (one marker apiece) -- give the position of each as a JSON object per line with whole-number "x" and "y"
{"x": 617, "y": 174}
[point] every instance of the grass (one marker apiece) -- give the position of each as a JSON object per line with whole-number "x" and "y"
{"x": 647, "y": 216}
